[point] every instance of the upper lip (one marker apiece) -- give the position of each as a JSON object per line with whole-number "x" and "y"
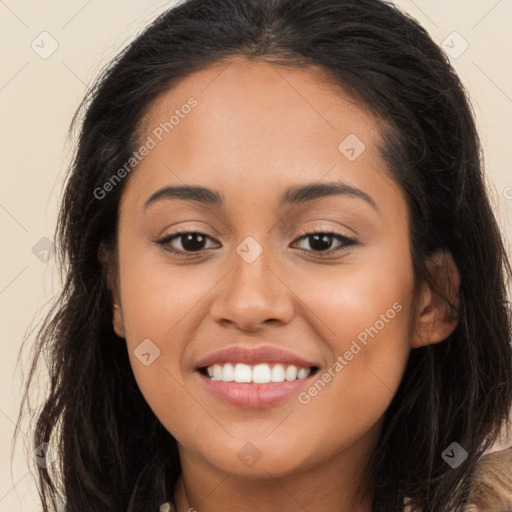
{"x": 254, "y": 356}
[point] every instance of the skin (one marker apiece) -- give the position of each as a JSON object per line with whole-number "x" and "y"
{"x": 259, "y": 128}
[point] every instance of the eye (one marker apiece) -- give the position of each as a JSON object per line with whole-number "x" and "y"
{"x": 322, "y": 241}
{"x": 187, "y": 241}
{"x": 184, "y": 243}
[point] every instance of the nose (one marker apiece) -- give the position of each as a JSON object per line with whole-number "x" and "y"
{"x": 253, "y": 294}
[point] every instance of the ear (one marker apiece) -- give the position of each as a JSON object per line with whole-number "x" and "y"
{"x": 117, "y": 312}
{"x": 438, "y": 302}
{"x": 107, "y": 259}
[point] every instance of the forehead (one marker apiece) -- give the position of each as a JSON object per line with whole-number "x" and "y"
{"x": 256, "y": 123}
{"x": 268, "y": 96}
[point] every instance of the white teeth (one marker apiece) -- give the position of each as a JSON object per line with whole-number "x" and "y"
{"x": 228, "y": 372}
{"x": 262, "y": 373}
{"x": 291, "y": 372}
{"x": 302, "y": 373}
{"x": 277, "y": 373}
{"x": 243, "y": 373}
{"x": 217, "y": 371}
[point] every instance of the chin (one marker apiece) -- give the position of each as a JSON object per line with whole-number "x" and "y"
{"x": 258, "y": 459}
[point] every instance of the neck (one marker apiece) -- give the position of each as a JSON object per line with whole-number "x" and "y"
{"x": 332, "y": 486}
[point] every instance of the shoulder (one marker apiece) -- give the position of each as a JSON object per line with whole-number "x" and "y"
{"x": 491, "y": 483}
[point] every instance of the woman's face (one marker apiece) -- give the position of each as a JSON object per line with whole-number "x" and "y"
{"x": 339, "y": 306}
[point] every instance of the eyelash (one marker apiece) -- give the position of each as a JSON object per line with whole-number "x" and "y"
{"x": 345, "y": 241}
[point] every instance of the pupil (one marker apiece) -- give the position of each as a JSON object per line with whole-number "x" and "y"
{"x": 321, "y": 242}
{"x": 195, "y": 242}
{"x": 189, "y": 244}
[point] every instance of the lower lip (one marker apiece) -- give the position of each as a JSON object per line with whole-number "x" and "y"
{"x": 254, "y": 396}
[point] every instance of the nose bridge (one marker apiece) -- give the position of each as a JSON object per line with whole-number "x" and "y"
{"x": 253, "y": 266}
{"x": 253, "y": 293}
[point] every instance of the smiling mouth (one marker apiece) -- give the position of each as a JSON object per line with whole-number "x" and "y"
{"x": 262, "y": 373}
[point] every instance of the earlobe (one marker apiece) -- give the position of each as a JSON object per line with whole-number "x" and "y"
{"x": 117, "y": 321}
{"x": 438, "y": 301}
{"x": 117, "y": 313}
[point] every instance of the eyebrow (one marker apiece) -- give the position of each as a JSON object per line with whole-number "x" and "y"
{"x": 291, "y": 196}
{"x": 303, "y": 193}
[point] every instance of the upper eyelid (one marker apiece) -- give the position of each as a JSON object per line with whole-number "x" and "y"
{"x": 303, "y": 234}
{"x": 345, "y": 240}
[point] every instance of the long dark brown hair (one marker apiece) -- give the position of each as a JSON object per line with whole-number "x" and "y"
{"x": 113, "y": 453}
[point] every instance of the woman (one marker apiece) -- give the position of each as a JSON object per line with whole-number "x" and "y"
{"x": 285, "y": 284}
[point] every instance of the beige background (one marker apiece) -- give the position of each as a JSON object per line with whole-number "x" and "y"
{"x": 39, "y": 96}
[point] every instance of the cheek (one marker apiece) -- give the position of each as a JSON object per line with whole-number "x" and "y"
{"x": 160, "y": 308}
{"x": 366, "y": 304}
{"x": 364, "y": 314}
{"x": 159, "y": 299}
